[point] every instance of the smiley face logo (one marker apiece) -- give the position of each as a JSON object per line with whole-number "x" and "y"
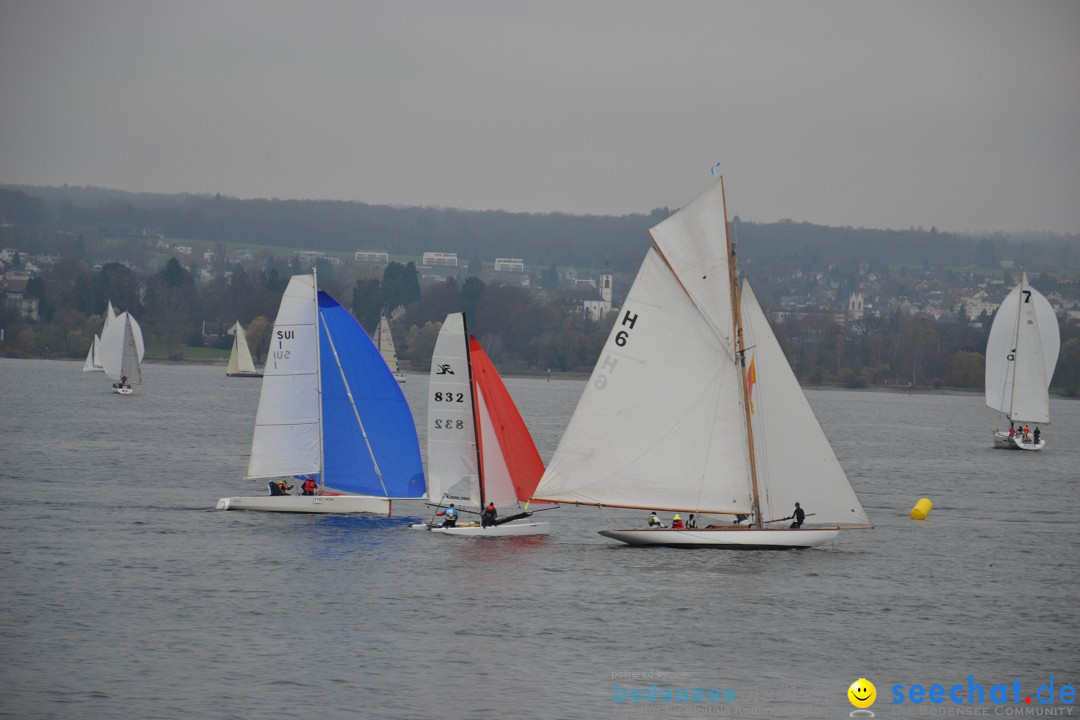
{"x": 862, "y": 693}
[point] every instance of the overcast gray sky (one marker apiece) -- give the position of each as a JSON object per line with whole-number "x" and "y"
{"x": 962, "y": 114}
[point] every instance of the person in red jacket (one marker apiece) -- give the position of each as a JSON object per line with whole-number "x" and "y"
{"x": 308, "y": 486}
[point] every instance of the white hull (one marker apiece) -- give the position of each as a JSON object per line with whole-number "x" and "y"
{"x": 400, "y": 376}
{"x": 308, "y": 504}
{"x": 1002, "y": 441}
{"x": 507, "y": 530}
{"x": 734, "y": 538}
{"x": 123, "y": 391}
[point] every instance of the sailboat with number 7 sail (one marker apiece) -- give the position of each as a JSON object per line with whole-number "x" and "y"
{"x": 1021, "y": 354}
{"x": 692, "y": 407}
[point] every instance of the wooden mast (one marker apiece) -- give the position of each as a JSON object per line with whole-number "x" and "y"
{"x": 736, "y": 317}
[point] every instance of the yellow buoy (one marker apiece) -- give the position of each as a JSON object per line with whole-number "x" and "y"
{"x": 921, "y": 509}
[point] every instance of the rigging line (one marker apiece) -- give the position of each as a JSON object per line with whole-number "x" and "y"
{"x": 352, "y": 403}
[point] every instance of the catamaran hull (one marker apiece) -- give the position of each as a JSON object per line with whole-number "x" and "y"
{"x": 734, "y": 538}
{"x": 1002, "y": 441}
{"x": 339, "y": 504}
{"x": 508, "y": 530}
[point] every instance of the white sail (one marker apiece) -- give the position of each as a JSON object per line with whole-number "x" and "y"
{"x": 451, "y": 439}
{"x": 286, "y": 439}
{"x": 1021, "y": 354}
{"x": 130, "y": 366}
{"x": 115, "y": 338}
{"x": 93, "y": 357}
{"x": 660, "y": 424}
{"x": 498, "y": 485}
{"x": 240, "y": 358}
{"x": 110, "y": 314}
{"x": 384, "y": 340}
{"x": 795, "y": 462}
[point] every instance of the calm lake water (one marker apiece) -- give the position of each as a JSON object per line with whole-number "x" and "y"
{"x": 126, "y": 595}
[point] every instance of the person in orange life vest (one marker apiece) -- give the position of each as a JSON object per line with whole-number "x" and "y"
{"x": 487, "y": 517}
{"x": 308, "y": 486}
{"x": 676, "y": 522}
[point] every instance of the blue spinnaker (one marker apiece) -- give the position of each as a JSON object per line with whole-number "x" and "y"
{"x": 350, "y": 363}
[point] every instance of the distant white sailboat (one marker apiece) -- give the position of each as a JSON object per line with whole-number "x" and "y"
{"x": 1021, "y": 354}
{"x": 479, "y": 448}
{"x": 240, "y": 362}
{"x": 384, "y": 340}
{"x": 329, "y": 410}
{"x": 122, "y": 353}
{"x": 93, "y": 356}
{"x": 692, "y": 407}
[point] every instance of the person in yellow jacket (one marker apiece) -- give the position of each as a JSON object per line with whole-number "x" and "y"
{"x": 676, "y": 522}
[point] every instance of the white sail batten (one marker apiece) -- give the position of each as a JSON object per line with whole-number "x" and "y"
{"x": 795, "y": 461}
{"x": 452, "y": 461}
{"x": 1021, "y": 354}
{"x": 660, "y": 424}
{"x": 287, "y": 433}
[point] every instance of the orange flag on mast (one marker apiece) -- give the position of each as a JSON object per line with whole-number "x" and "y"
{"x": 751, "y": 378}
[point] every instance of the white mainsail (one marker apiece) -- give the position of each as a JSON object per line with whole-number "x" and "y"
{"x": 1021, "y": 354}
{"x": 287, "y": 432}
{"x": 116, "y": 339}
{"x": 795, "y": 462}
{"x": 451, "y": 443}
{"x": 240, "y": 358}
{"x": 660, "y": 424}
{"x": 384, "y": 340}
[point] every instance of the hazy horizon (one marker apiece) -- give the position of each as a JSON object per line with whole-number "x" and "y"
{"x": 963, "y": 116}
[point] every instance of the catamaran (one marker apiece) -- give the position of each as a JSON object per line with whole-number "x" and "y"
{"x": 1021, "y": 354}
{"x": 692, "y": 407}
{"x": 479, "y": 448}
{"x": 330, "y": 411}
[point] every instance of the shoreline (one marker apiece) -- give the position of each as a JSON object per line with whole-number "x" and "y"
{"x": 895, "y": 389}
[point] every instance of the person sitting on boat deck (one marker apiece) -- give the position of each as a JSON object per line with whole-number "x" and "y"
{"x": 285, "y": 487}
{"x": 451, "y": 515}
{"x": 799, "y": 516}
{"x": 676, "y": 522}
{"x": 691, "y": 523}
{"x": 1036, "y": 434}
{"x": 654, "y": 520}
{"x": 740, "y": 517}
{"x": 308, "y": 486}
{"x": 275, "y": 488}
{"x": 487, "y": 517}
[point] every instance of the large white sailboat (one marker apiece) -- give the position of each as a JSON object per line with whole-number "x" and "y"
{"x": 692, "y": 407}
{"x": 122, "y": 352}
{"x": 240, "y": 362}
{"x": 1021, "y": 354}
{"x": 384, "y": 340}
{"x": 329, "y": 411}
{"x": 479, "y": 449}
